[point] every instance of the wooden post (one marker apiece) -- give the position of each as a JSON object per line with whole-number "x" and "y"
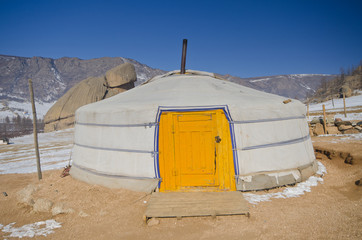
{"x": 324, "y": 119}
{"x": 332, "y": 101}
{"x": 35, "y": 130}
{"x": 344, "y": 105}
{"x": 308, "y": 109}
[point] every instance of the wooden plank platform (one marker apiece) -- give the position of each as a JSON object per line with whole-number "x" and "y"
{"x": 188, "y": 204}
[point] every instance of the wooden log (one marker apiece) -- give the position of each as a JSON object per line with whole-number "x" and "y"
{"x": 344, "y": 105}
{"x": 308, "y": 110}
{"x": 324, "y": 119}
{"x": 35, "y": 130}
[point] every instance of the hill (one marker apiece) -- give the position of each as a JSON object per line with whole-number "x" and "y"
{"x": 297, "y": 86}
{"x": 53, "y": 77}
{"x": 349, "y": 83}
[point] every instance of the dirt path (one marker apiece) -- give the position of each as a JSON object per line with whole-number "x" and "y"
{"x": 332, "y": 210}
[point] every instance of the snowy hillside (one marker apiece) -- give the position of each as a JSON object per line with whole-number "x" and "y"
{"x": 353, "y": 107}
{"x": 12, "y": 108}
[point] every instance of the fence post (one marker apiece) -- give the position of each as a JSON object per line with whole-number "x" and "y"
{"x": 35, "y": 129}
{"x": 332, "y": 101}
{"x": 344, "y": 105}
{"x": 308, "y": 110}
{"x": 324, "y": 119}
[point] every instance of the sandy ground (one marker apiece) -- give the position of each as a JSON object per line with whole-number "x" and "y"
{"x": 332, "y": 210}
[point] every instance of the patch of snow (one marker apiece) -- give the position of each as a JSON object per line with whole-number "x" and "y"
{"x": 6, "y": 113}
{"x": 308, "y": 75}
{"x": 260, "y": 80}
{"x": 14, "y": 96}
{"x": 352, "y": 137}
{"x": 345, "y": 137}
{"x": 57, "y": 76}
{"x": 42, "y": 228}
{"x": 350, "y": 116}
{"x": 296, "y": 191}
{"x": 24, "y": 109}
{"x": 141, "y": 78}
{"x": 19, "y": 157}
{"x": 354, "y": 101}
{"x": 306, "y": 86}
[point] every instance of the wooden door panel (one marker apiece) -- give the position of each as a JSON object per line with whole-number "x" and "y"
{"x": 195, "y": 149}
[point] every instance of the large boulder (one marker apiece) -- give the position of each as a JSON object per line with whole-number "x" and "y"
{"x": 120, "y": 75}
{"x": 61, "y": 114}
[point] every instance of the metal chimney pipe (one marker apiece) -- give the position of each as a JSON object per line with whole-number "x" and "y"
{"x": 183, "y": 58}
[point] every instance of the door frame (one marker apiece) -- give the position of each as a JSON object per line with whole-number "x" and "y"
{"x": 162, "y": 109}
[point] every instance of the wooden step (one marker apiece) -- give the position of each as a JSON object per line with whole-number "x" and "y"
{"x": 193, "y": 204}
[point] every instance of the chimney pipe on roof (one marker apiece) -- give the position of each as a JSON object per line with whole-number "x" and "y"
{"x": 183, "y": 58}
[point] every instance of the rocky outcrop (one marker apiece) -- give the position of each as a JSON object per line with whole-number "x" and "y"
{"x": 52, "y": 78}
{"x": 61, "y": 114}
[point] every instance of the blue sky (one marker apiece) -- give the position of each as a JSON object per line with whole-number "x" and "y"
{"x": 241, "y": 38}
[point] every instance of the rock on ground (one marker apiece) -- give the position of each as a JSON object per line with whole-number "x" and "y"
{"x": 25, "y": 195}
{"x": 42, "y": 205}
{"x": 61, "y": 208}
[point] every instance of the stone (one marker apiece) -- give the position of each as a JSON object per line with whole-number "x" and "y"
{"x": 315, "y": 120}
{"x": 306, "y": 172}
{"x": 311, "y": 132}
{"x": 344, "y": 127}
{"x": 318, "y": 130}
{"x": 83, "y": 214}
{"x": 42, "y": 205}
{"x": 318, "y": 155}
{"x": 61, "y": 208}
{"x": 337, "y": 120}
{"x": 351, "y": 131}
{"x": 330, "y": 119}
{"x": 286, "y": 179}
{"x": 24, "y": 196}
{"x": 333, "y": 130}
{"x": 153, "y": 222}
{"x": 358, "y": 128}
{"x": 358, "y": 182}
{"x": 121, "y": 75}
{"x": 260, "y": 181}
{"x": 349, "y": 160}
{"x": 343, "y": 123}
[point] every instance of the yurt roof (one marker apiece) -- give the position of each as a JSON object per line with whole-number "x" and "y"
{"x": 194, "y": 89}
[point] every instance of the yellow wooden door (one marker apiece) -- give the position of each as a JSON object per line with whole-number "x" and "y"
{"x": 195, "y": 149}
{"x": 195, "y": 152}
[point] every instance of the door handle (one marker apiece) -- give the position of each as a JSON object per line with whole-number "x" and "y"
{"x": 217, "y": 139}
